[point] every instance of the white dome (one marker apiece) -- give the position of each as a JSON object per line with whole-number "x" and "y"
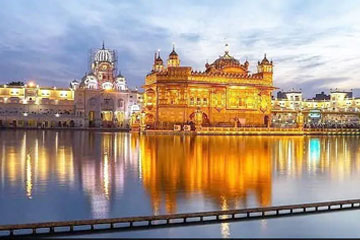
{"x": 74, "y": 84}
{"x": 91, "y": 81}
{"x": 120, "y": 83}
{"x": 103, "y": 55}
{"x": 120, "y": 79}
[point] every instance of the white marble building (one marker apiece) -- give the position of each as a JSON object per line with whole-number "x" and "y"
{"x": 102, "y": 97}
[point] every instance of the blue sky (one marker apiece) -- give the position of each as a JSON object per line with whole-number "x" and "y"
{"x": 314, "y": 44}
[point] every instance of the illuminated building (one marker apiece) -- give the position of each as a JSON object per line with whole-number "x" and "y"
{"x": 339, "y": 108}
{"x": 224, "y": 94}
{"x": 33, "y": 106}
{"x": 101, "y": 99}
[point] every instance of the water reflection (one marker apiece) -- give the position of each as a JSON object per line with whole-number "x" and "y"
{"x": 224, "y": 169}
{"x": 224, "y": 172}
{"x": 337, "y": 156}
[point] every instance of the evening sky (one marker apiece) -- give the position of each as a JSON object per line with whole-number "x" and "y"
{"x": 313, "y": 44}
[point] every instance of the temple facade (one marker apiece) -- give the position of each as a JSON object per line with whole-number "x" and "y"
{"x": 225, "y": 94}
{"x": 102, "y": 97}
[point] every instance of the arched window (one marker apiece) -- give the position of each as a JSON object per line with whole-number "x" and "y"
{"x": 121, "y": 103}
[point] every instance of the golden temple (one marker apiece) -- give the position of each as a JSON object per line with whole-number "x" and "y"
{"x": 225, "y": 94}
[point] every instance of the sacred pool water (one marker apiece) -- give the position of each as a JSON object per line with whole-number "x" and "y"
{"x": 69, "y": 175}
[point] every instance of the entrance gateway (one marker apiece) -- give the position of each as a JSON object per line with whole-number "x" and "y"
{"x": 314, "y": 116}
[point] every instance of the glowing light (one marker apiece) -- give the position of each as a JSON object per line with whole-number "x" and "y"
{"x": 25, "y": 114}
{"x": 29, "y": 185}
{"x": 108, "y": 87}
{"x": 31, "y": 84}
{"x": 57, "y": 115}
{"x": 314, "y": 149}
{"x": 106, "y": 175}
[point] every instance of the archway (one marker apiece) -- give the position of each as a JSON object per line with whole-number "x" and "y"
{"x": 205, "y": 119}
{"x": 149, "y": 120}
{"x": 107, "y": 118}
{"x": 91, "y": 119}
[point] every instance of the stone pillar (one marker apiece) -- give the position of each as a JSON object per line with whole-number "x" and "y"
{"x": 114, "y": 120}
{"x": 198, "y": 119}
{"x": 269, "y": 121}
{"x": 300, "y": 120}
{"x": 97, "y": 118}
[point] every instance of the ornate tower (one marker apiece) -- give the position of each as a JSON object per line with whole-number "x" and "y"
{"x": 158, "y": 62}
{"x": 266, "y": 68}
{"x": 173, "y": 60}
{"x": 120, "y": 82}
{"x": 103, "y": 66}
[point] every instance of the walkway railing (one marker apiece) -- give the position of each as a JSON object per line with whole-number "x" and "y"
{"x": 128, "y": 223}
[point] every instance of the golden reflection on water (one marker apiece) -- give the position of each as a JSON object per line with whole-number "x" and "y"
{"x": 225, "y": 168}
{"x": 336, "y": 156}
{"x": 228, "y": 171}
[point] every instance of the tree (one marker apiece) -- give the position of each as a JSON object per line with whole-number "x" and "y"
{"x": 19, "y": 83}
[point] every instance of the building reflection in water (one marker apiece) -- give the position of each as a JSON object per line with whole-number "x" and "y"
{"x": 105, "y": 158}
{"x": 336, "y": 156}
{"x": 27, "y": 159}
{"x": 224, "y": 169}
{"x": 228, "y": 171}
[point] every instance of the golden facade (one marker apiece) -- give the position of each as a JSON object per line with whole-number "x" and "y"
{"x": 225, "y": 94}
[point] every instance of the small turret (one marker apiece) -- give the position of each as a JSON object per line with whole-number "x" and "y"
{"x": 120, "y": 82}
{"x": 265, "y": 66}
{"x": 158, "y": 62}
{"x": 173, "y": 60}
{"x": 246, "y": 64}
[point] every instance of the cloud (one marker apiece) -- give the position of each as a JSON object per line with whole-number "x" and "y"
{"x": 314, "y": 44}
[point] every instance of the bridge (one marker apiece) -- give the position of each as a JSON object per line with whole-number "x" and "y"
{"x": 171, "y": 220}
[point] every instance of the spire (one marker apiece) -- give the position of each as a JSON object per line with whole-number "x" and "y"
{"x": 158, "y": 54}
{"x": 226, "y": 48}
{"x": 103, "y": 45}
{"x": 120, "y": 75}
{"x": 158, "y": 62}
{"x": 246, "y": 64}
{"x": 173, "y": 53}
